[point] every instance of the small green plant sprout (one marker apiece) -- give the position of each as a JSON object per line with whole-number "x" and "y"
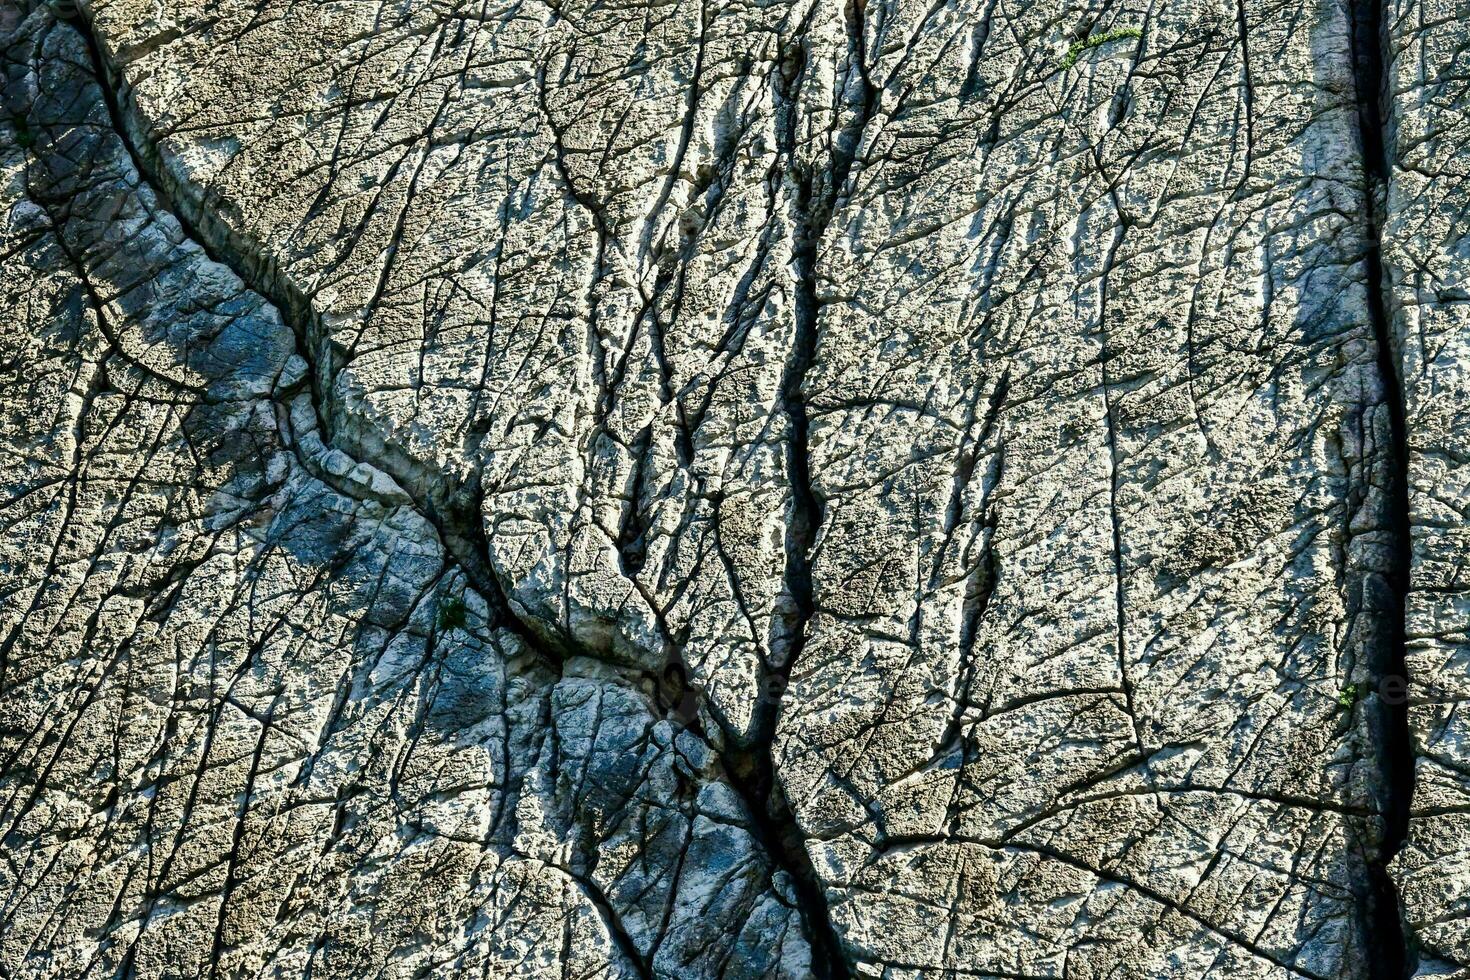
{"x": 1350, "y": 694}
{"x": 452, "y": 613}
{"x": 1096, "y": 41}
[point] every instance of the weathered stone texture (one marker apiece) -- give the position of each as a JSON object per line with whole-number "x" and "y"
{"x": 1426, "y": 271}
{"x": 732, "y": 489}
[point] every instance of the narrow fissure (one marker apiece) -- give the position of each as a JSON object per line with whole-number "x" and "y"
{"x": 752, "y": 773}
{"x": 751, "y": 766}
{"x": 817, "y": 196}
{"x": 1388, "y": 949}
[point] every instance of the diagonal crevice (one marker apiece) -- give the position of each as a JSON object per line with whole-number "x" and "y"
{"x": 1390, "y": 957}
{"x": 452, "y": 510}
{"x": 453, "y": 515}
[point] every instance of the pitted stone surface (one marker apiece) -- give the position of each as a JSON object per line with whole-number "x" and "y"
{"x": 731, "y": 490}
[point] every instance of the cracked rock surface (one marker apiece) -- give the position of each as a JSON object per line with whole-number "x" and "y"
{"x": 706, "y": 489}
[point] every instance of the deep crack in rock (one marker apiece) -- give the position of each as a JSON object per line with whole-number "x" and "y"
{"x": 1390, "y": 958}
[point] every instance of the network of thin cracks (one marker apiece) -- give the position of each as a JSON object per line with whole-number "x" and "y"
{"x": 454, "y": 511}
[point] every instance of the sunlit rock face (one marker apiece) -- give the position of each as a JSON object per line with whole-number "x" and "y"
{"x": 722, "y": 490}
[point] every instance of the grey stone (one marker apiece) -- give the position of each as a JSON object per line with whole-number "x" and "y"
{"x": 732, "y": 490}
